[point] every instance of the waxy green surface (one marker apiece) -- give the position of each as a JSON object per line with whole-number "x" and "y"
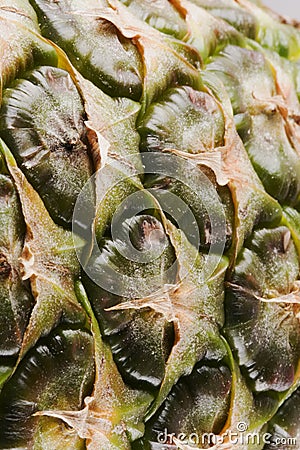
{"x": 85, "y": 89}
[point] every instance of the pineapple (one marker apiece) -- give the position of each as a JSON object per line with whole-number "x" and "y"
{"x": 150, "y": 225}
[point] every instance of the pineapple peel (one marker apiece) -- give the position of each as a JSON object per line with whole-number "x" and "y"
{"x": 149, "y": 225}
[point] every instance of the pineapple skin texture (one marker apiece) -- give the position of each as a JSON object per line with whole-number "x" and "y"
{"x": 149, "y": 225}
